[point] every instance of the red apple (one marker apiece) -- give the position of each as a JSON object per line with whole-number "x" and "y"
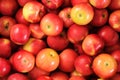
{"x": 83, "y": 65}
{"x": 52, "y": 4}
{"x": 59, "y": 76}
{"x": 77, "y": 78}
{"x": 34, "y": 45}
{"x": 6, "y": 22}
{"x": 76, "y": 2}
{"x": 8, "y": 7}
{"x": 51, "y": 24}
{"x": 36, "y": 31}
{"x": 100, "y": 3}
{"x": 67, "y": 58}
{"x": 47, "y": 59}
{"x": 17, "y": 76}
{"x": 114, "y": 20}
{"x": 5, "y": 48}
{"x": 109, "y": 39}
{"x": 20, "y": 18}
{"x": 82, "y": 14}
{"x": 104, "y": 65}
{"x": 64, "y": 14}
{"x": 44, "y": 78}
{"x": 5, "y": 67}
{"x": 100, "y": 17}
{"x": 59, "y": 42}
{"x": 76, "y": 33}
{"x": 23, "y": 2}
{"x": 92, "y": 44}
{"x": 23, "y": 61}
{"x": 114, "y": 5}
{"x": 19, "y": 34}
{"x": 33, "y": 11}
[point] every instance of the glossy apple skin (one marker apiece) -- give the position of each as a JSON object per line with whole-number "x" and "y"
{"x": 5, "y": 48}
{"x": 23, "y": 2}
{"x": 47, "y": 59}
{"x": 6, "y": 22}
{"x": 51, "y": 24}
{"x": 17, "y": 76}
{"x": 52, "y": 4}
{"x": 114, "y": 5}
{"x": 92, "y": 44}
{"x": 64, "y": 14}
{"x": 20, "y": 34}
{"x": 59, "y": 42}
{"x": 24, "y": 59}
{"x": 82, "y": 14}
{"x": 109, "y": 39}
{"x": 20, "y": 18}
{"x": 76, "y": 2}
{"x": 36, "y": 31}
{"x": 100, "y": 3}
{"x": 59, "y": 76}
{"x": 83, "y": 65}
{"x": 8, "y": 11}
{"x": 104, "y": 65}
{"x": 77, "y": 78}
{"x": 44, "y": 78}
{"x": 116, "y": 55}
{"x": 33, "y": 11}
{"x": 5, "y": 67}
{"x": 114, "y": 20}
{"x": 76, "y": 33}
{"x": 100, "y": 17}
{"x": 34, "y": 45}
{"x": 67, "y": 64}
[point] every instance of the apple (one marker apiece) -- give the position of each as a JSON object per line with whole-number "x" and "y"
{"x": 59, "y": 42}
{"x": 44, "y": 78}
{"x": 23, "y": 2}
{"x": 104, "y": 65}
{"x": 92, "y": 44}
{"x": 77, "y": 78}
{"x": 67, "y": 58}
{"x": 100, "y": 3}
{"x": 20, "y": 18}
{"x": 51, "y": 24}
{"x": 5, "y": 48}
{"x": 59, "y": 76}
{"x": 36, "y": 31}
{"x": 83, "y": 65}
{"x": 47, "y": 59}
{"x": 76, "y": 2}
{"x": 114, "y": 5}
{"x": 17, "y": 76}
{"x": 8, "y": 7}
{"x": 76, "y": 33}
{"x": 5, "y": 67}
{"x": 19, "y": 34}
{"x": 33, "y": 11}
{"x": 6, "y": 22}
{"x": 82, "y": 14}
{"x": 114, "y": 20}
{"x": 109, "y": 39}
{"x": 34, "y": 45}
{"x": 32, "y": 74}
{"x": 100, "y": 17}
{"x": 64, "y": 14}
{"x": 52, "y": 4}
{"x": 23, "y": 61}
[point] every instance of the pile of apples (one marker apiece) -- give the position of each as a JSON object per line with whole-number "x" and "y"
{"x": 59, "y": 40}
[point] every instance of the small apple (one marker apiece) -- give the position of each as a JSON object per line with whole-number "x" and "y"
{"x": 19, "y": 34}
{"x": 82, "y": 14}
{"x": 33, "y": 11}
{"x": 100, "y": 3}
{"x": 6, "y": 22}
{"x": 51, "y": 24}
{"x": 92, "y": 44}
{"x": 47, "y": 59}
{"x": 67, "y": 58}
{"x": 104, "y": 65}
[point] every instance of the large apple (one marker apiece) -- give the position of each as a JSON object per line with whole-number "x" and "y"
{"x": 104, "y": 65}
{"x": 51, "y": 24}
{"x": 82, "y": 13}
{"x": 47, "y": 59}
{"x": 6, "y": 22}
{"x": 33, "y": 11}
